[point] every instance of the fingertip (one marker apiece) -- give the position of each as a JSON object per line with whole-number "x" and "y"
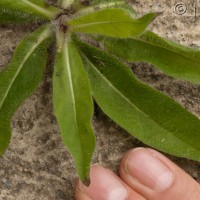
{"x": 79, "y": 192}
{"x": 123, "y": 161}
{"x": 153, "y": 176}
{"x": 154, "y": 153}
{"x": 105, "y": 185}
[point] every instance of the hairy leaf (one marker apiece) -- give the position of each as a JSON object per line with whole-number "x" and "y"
{"x": 173, "y": 59}
{"x": 146, "y": 113}
{"x": 6, "y": 18}
{"x": 18, "y": 11}
{"x": 114, "y": 22}
{"x": 93, "y": 2}
{"x": 21, "y": 77}
{"x": 74, "y": 107}
{"x": 106, "y": 5}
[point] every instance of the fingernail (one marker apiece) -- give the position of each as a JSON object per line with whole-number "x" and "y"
{"x": 105, "y": 185}
{"x": 149, "y": 170}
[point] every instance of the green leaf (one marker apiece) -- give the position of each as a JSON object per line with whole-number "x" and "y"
{"x": 112, "y": 22}
{"x": 173, "y": 59}
{"x": 18, "y": 11}
{"x": 21, "y": 77}
{"x": 94, "y": 2}
{"x": 74, "y": 107}
{"x": 6, "y": 18}
{"x": 147, "y": 114}
{"x": 106, "y": 5}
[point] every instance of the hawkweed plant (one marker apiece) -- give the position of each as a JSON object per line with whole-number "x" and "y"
{"x": 83, "y": 72}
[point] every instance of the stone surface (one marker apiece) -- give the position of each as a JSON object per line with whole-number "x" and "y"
{"x": 37, "y": 164}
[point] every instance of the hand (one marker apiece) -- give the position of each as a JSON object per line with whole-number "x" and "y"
{"x": 145, "y": 174}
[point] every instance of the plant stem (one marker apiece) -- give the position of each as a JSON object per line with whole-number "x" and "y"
{"x": 67, "y": 3}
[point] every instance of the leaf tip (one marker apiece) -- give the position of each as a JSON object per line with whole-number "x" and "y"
{"x": 158, "y": 14}
{"x": 86, "y": 181}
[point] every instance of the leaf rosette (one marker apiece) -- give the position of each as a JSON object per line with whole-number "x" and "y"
{"x": 83, "y": 72}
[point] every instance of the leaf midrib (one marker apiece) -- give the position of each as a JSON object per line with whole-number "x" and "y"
{"x": 102, "y": 22}
{"x": 134, "y": 106}
{"x": 144, "y": 41}
{"x": 42, "y": 37}
{"x": 109, "y": 83}
{"x": 73, "y": 95}
{"x": 67, "y": 64}
{"x": 38, "y": 8}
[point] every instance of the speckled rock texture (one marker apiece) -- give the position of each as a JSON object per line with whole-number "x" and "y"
{"x": 37, "y": 166}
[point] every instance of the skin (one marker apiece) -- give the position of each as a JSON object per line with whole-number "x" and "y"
{"x": 105, "y": 185}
